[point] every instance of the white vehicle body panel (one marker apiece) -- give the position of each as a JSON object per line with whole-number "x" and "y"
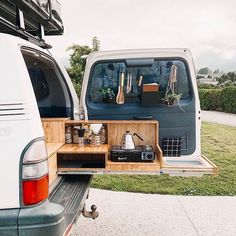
{"x": 16, "y": 131}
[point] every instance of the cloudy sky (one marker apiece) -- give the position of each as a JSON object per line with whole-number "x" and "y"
{"x": 206, "y": 27}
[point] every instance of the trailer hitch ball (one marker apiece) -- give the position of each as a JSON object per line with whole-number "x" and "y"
{"x": 90, "y": 214}
{"x": 93, "y": 208}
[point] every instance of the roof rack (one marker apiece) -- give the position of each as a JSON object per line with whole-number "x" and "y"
{"x": 31, "y": 19}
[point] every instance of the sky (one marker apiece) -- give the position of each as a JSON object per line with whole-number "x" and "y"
{"x": 206, "y": 27}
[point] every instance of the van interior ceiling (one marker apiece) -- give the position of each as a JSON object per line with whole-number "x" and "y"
{"x": 51, "y": 93}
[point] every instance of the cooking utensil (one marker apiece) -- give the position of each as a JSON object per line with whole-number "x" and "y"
{"x": 140, "y": 80}
{"x": 96, "y": 139}
{"x": 129, "y": 82}
{"x": 81, "y": 132}
{"x": 127, "y": 141}
{"x": 120, "y": 98}
{"x": 172, "y": 80}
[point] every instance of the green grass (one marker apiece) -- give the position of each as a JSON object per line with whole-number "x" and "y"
{"x": 218, "y": 144}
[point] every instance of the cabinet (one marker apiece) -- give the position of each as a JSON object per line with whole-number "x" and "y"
{"x": 67, "y": 159}
{"x": 96, "y": 159}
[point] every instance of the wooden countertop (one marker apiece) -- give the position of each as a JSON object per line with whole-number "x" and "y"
{"x": 86, "y": 149}
{"x": 53, "y": 148}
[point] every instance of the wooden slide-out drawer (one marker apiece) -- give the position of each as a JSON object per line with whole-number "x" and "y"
{"x": 188, "y": 167}
{"x": 72, "y": 159}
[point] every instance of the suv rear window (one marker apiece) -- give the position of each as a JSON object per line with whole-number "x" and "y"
{"x": 39, "y": 83}
{"x": 105, "y": 77}
{"x": 48, "y": 84}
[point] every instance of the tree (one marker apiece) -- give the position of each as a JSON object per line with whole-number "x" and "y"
{"x": 95, "y": 44}
{"x": 78, "y": 62}
{"x": 216, "y": 71}
{"x": 204, "y": 71}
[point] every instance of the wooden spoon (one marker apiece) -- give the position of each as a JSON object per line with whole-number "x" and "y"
{"x": 120, "y": 98}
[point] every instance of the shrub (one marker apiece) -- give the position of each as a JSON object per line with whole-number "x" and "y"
{"x": 218, "y": 99}
{"x": 229, "y": 99}
{"x": 211, "y": 99}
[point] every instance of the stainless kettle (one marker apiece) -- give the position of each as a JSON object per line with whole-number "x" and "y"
{"x": 127, "y": 141}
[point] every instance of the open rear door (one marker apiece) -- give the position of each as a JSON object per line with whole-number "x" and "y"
{"x": 188, "y": 167}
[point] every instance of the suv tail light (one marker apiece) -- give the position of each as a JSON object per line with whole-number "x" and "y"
{"x": 35, "y": 174}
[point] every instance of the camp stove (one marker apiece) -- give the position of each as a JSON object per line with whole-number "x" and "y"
{"x": 141, "y": 153}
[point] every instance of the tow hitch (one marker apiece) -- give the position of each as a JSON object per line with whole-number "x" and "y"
{"x": 90, "y": 214}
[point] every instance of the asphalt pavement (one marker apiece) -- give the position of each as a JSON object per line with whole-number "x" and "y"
{"x": 219, "y": 117}
{"x": 137, "y": 214}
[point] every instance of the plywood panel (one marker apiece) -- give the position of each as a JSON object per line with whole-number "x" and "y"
{"x": 148, "y": 131}
{"x": 86, "y": 149}
{"x": 133, "y": 167}
{"x": 52, "y": 164}
{"x": 62, "y": 119}
{"x": 54, "y": 131}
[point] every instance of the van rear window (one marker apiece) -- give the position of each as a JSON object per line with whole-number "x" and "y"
{"x": 105, "y": 78}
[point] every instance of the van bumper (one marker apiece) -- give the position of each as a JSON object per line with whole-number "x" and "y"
{"x": 44, "y": 219}
{"x": 52, "y": 217}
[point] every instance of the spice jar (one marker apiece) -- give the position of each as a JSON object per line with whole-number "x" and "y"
{"x": 68, "y": 137}
{"x": 103, "y": 134}
{"x": 75, "y": 136}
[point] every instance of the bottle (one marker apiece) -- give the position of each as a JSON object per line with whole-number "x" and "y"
{"x": 75, "y": 136}
{"x": 68, "y": 137}
{"x": 81, "y": 113}
{"x": 81, "y": 132}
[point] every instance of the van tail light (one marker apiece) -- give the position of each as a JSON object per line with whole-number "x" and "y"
{"x": 35, "y": 174}
{"x": 35, "y": 191}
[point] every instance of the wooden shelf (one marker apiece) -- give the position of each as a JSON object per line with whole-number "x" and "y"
{"x": 86, "y": 149}
{"x": 71, "y": 158}
{"x": 147, "y": 129}
{"x": 62, "y": 119}
{"x": 74, "y": 122}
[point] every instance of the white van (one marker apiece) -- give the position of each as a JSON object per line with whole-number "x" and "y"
{"x": 147, "y": 77}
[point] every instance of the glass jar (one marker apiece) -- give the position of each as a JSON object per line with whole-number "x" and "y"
{"x": 103, "y": 134}
{"x": 68, "y": 136}
{"x": 75, "y": 136}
